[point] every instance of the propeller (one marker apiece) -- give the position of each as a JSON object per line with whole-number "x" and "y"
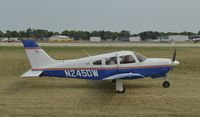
{"x": 173, "y": 59}
{"x": 174, "y": 55}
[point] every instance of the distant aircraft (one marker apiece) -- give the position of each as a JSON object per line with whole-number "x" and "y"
{"x": 115, "y": 66}
{"x": 195, "y": 40}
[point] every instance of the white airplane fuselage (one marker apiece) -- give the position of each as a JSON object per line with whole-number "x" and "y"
{"x": 85, "y": 69}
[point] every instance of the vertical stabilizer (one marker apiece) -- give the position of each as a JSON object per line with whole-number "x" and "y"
{"x": 36, "y": 55}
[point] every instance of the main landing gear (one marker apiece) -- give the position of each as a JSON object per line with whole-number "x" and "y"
{"x": 166, "y": 83}
{"x": 119, "y": 86}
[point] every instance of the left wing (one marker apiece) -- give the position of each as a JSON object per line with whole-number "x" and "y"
{"x": 125, "y": 76}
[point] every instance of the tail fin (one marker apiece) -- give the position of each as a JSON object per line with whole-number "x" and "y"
{"x": 36, "y": 55}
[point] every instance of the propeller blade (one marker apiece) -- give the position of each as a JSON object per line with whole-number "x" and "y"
{"x": 174, "y": 56}
{"x": 173, "y": 59}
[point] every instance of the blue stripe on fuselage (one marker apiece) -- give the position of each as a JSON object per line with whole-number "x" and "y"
{"x": 104, "y": 73}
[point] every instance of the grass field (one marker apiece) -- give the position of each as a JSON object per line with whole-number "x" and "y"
{"x": 54, "y": 97}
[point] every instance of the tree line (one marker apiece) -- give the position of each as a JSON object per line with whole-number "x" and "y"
{"x": 85, "y": 35}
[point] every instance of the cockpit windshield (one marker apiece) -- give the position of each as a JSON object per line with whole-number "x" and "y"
{"x": 140, "y": 57}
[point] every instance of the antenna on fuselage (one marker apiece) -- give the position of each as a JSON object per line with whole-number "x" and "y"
{"x": 87, "y": 53}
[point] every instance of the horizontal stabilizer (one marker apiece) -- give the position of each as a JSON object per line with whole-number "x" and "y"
{"x": 31, "y": 73}
{"x": 125, "y": 76}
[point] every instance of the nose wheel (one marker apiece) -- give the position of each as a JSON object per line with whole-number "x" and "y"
{"x": 166, "y": 83}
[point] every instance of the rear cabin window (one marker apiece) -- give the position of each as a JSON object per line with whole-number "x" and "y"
{"x": 98, "y": 62}
{"x": 111, "y": 61}
{"x": 127, "y": 59}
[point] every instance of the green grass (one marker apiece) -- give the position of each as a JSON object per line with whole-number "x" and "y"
{"x": 50, "y": 97}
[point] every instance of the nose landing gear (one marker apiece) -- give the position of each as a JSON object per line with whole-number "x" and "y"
{"x": 166, "y": 83}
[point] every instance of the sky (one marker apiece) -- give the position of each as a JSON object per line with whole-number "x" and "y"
{"x": 88, "y": 15}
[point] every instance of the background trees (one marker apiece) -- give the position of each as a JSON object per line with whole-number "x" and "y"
{"x": 85, "y": 35}
{"x": 124, "y": 33}
{"x": 1, "y": 34}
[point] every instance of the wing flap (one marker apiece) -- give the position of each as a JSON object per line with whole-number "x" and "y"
{"x": 125, "y": 76}
{"x": 31, "y": 73}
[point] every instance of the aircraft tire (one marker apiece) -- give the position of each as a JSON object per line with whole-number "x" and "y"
{"x": 166, "y": 84}
{"x": 123, "y": 91}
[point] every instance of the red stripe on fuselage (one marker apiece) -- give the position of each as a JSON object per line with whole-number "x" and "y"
{"x": 108, "y": 68}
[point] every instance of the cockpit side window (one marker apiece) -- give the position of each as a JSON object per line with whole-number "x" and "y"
{"x": 111, "y": 61}
{"x": 127, "y": 59}
{"x": 98, "y": 62}
{"x": 140, "y": 57}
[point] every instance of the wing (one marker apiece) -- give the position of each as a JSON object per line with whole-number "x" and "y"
{"x": 125, "y": 76}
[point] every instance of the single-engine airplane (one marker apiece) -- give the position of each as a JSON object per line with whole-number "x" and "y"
{"x": 115, "y": 66}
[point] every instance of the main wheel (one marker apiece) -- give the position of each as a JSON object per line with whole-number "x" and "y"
{"x": 166, "y": 84}
{"x": 123, "y": 91}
